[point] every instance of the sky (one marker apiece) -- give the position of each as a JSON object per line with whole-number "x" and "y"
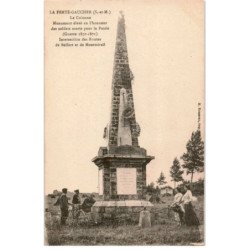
{"x": 166, "y": 55}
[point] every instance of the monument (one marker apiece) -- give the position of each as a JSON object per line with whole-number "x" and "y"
{"x": 122, "y": 164}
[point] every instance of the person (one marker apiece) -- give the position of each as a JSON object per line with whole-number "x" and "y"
{"x": 191, "y": 218}
{"x": 145, "y": 218}
{"x": 76, "y": 201}
{"x": 177, "y": 206}
{"x": 91, "y": 199}
{"x": 48, "y": 218}
{"x": 64, "y": 206}
{"x": 76, "y": 197}
{"x": 88, "y": 203}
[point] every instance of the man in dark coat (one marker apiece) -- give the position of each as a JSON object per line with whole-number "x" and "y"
{"x": 76, "y": 201}
{"x": 76, "y": 197}
{"x": 64, "y": 206}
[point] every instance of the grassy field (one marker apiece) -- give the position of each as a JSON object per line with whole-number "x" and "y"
{"x": 164, "y": 231}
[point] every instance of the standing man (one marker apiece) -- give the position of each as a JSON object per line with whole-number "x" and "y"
{"x": 76, "y": 203}
{"x": 64, "y": 206}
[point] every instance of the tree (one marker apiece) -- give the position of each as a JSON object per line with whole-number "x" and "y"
{"x": 176, "y": 172}
{"x": 194, "y": 157}
{"x": 161, "y": 180}
{"x": 151, "y": 188}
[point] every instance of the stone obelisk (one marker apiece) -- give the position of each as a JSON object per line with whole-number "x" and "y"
{"x": 122, "y": 164}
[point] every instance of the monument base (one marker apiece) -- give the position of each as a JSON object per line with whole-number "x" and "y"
{"x": 122, "y": 170}
{"x": 119, "y": 210}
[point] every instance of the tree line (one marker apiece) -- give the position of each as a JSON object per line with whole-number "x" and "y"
{"x": 192, "y": 162}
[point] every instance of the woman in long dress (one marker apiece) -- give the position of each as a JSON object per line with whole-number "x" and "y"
{"x": 178, "y": 207}
{"x": 191, "y": 218}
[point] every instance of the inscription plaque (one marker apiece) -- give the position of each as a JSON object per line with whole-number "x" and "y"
{"x": 126, "y": 181}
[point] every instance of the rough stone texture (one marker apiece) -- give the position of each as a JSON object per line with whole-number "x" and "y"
{"x": 122, "y": 203}
{"x": 110, "y": 163}
{"x": 127, "y": 150}
{"x": 121, "y": 79}
{"x": 120, "y": 210}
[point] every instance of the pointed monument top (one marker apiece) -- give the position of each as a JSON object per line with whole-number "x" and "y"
{"x": 121, "y": 53}
{"x": 121, "y": 14}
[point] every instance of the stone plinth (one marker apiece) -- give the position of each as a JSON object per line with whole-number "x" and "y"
{"x": 112, "y": 163}
{"x": 119, "y": 210}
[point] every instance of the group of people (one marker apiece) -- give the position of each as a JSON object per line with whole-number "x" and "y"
{"x": 183, "y": 207}
{"x": 77, "y": 204}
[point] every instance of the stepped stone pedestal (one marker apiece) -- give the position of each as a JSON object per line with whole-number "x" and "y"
{"x": 122, "y": 181}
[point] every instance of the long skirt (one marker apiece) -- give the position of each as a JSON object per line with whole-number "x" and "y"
{"x": 191, "y": 218}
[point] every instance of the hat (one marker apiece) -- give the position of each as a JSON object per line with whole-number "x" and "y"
{"x": 64, "y": 190}
{"x": 76, "y": 191}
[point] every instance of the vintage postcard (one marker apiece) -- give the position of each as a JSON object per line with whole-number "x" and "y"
{"x": 124, "y": 122}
